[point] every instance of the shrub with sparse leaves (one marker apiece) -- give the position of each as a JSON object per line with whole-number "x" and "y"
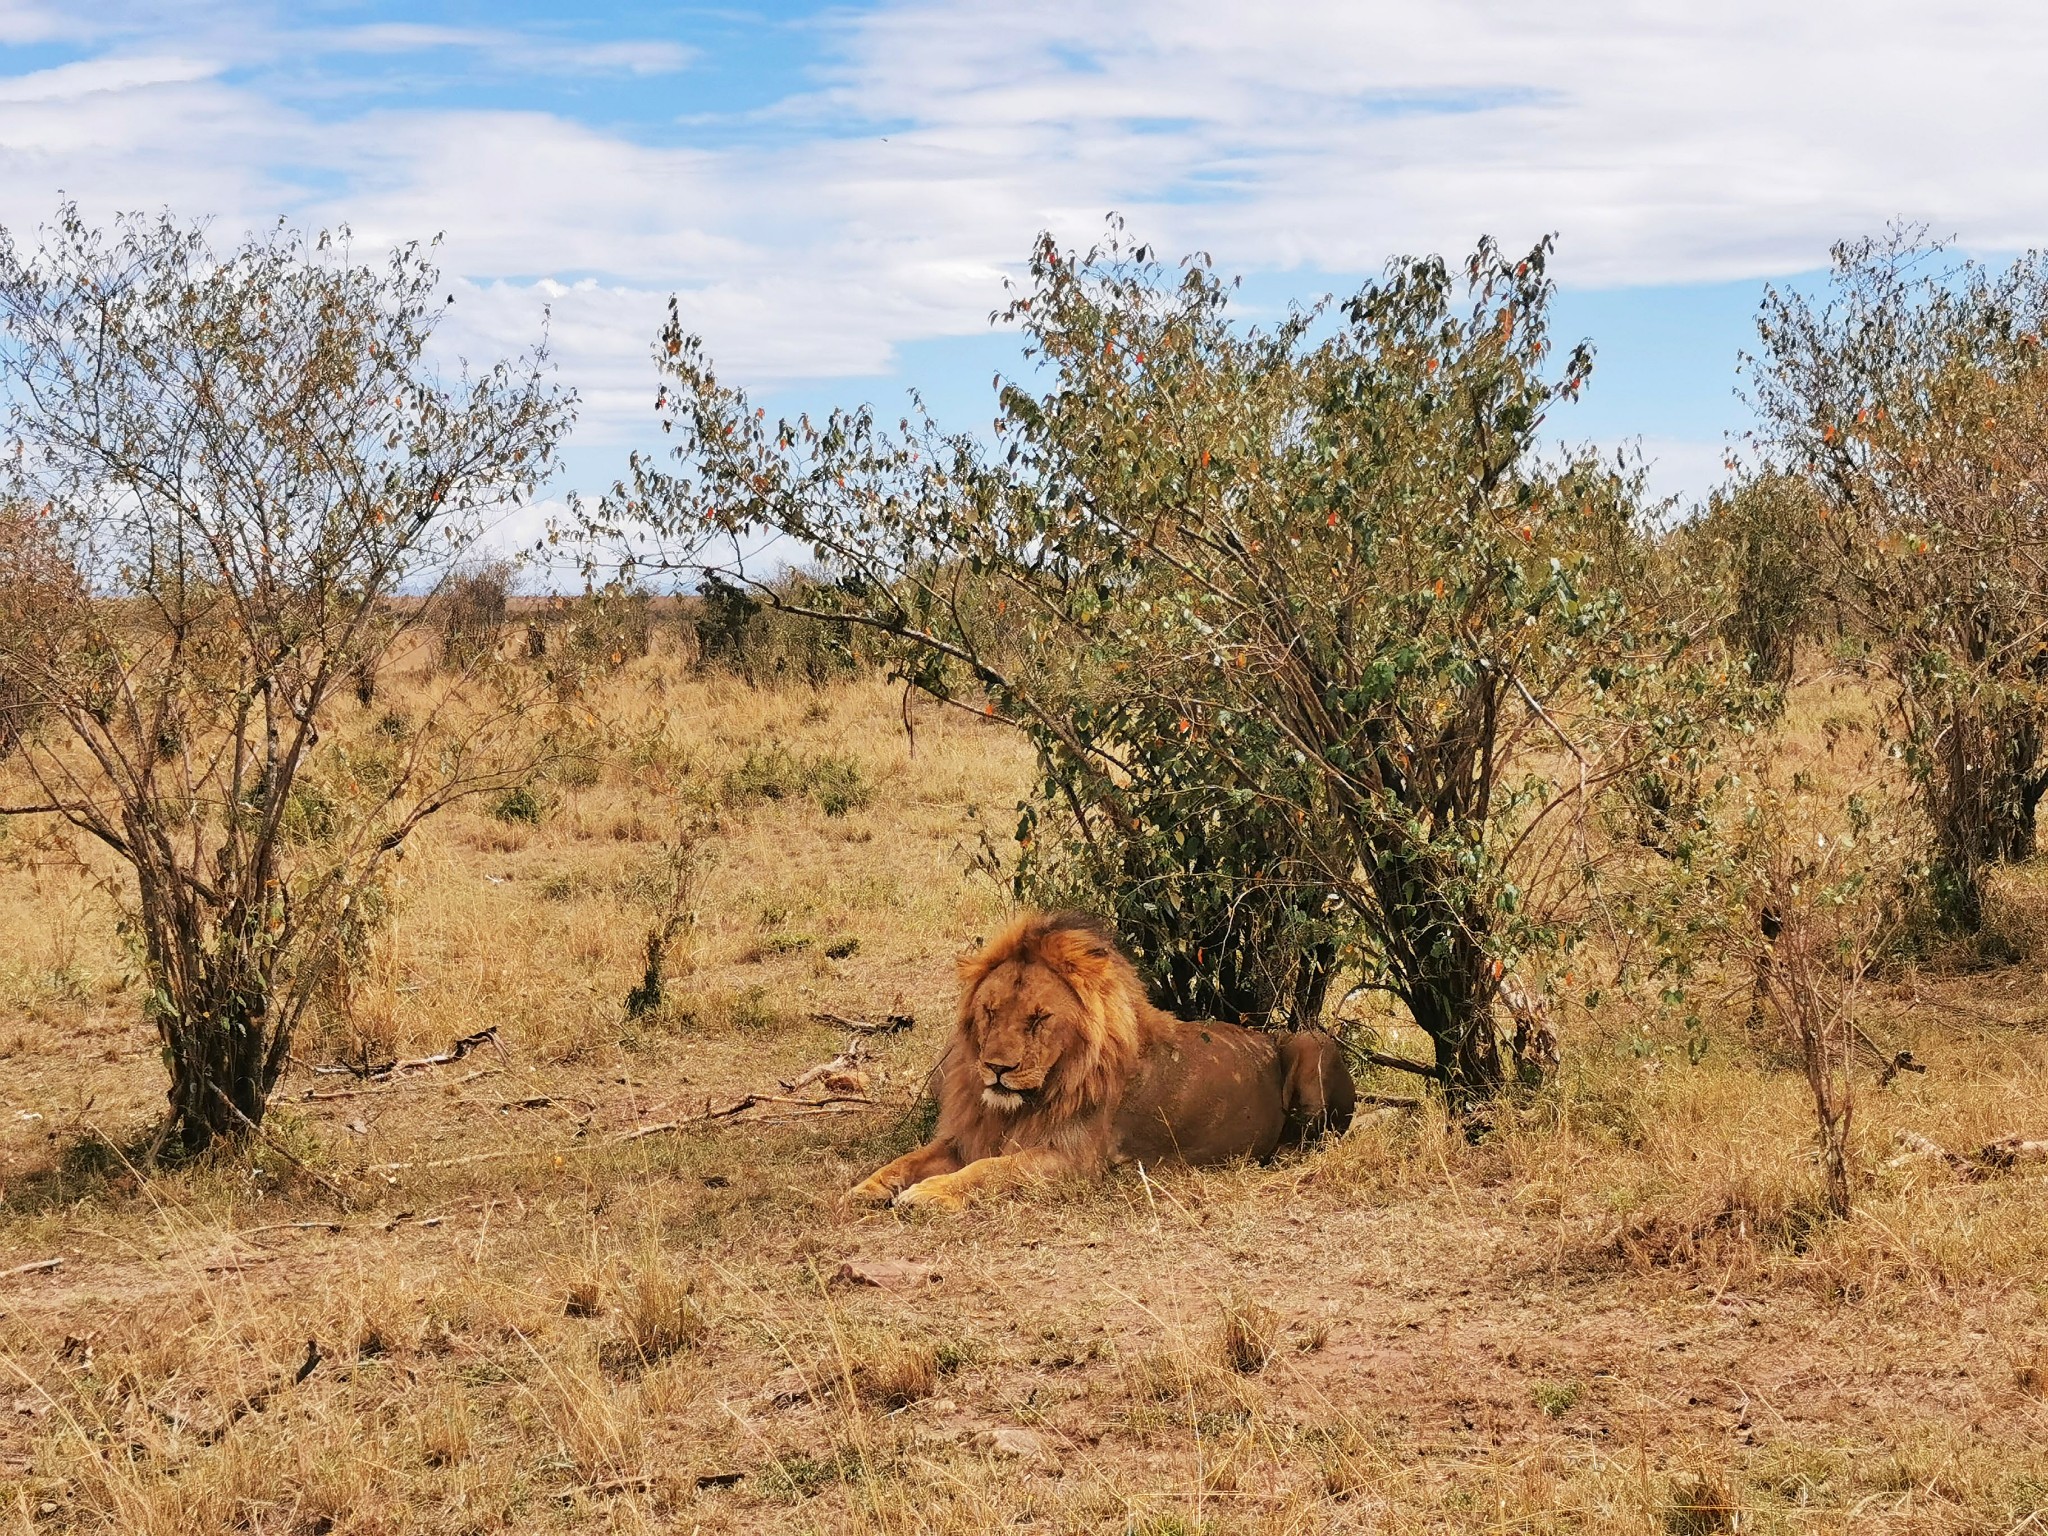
{"x": 260, "y": 486}
{"x": 1323, "y": 658}
{"x": 1912, "y": 398}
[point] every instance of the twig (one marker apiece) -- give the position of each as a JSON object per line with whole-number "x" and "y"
{"x": 783, "y": 1117}
{"x": 455, "y": 1052}
{"x": 30, "y": 1269}
{"x": 292, "y": 1226}
{"x": 1390, "y": 1100}
{"x": 895, "y": 1024}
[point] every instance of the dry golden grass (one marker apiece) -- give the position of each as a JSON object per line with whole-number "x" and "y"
{"x": 1620, "y": 1311}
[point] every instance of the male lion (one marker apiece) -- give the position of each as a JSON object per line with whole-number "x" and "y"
{"x": 1059, "y": 1064}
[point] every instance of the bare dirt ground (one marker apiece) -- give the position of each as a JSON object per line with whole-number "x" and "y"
{"x": 468, "y": 1298}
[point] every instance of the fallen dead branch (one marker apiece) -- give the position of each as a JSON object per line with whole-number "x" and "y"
{"x": 31, "y": 1269}
{"x": 483, "y": 1157}
{"x": 894, "y": 1024}
{"x": 611, "y": 1487}
{"x": 377, "y": 1074}
{"x": 1391, "y": 1100}
{"x": 842, "y": 1074}
{"x": 1993, "y": 1157}
{"x": 2011, "y": 1151}
{"x": 831, "y": 1103}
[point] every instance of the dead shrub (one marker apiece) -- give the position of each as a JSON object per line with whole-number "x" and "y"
{"x": 1701, "y": 1504}
{"x": 1248, "y": 1337}
{"x": 2031, "y": 1376}
{"x": 470, "y": 612}
{"x": 1740, "y": 1224}
{"x": 894, "y": 1374}
{"x": 661, "y": 1317}
{"x": 2015, "y": 913}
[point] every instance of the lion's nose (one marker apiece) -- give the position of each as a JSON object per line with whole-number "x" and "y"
{"x": 997, "y": 1069}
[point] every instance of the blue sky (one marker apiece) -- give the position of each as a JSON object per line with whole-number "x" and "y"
{"x": 836, "y": 192}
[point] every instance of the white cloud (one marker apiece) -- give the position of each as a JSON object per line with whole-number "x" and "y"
{"x": 22, "y": 21}
{"x": 508, "y": 49}
{"x": 1666, "y": 144}
{"x": 94, "y": 77}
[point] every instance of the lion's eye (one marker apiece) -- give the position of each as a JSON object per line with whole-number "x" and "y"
{"x": 1032, "y": 1024}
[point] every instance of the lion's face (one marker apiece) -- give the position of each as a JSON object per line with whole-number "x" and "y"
{"x": 1023, "y": 1019}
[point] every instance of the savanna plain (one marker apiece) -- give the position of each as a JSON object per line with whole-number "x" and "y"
{"x": 594, "y": 1271}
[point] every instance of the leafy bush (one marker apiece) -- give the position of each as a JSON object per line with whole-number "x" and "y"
{"x": 469, "y": 614}
{"x": 271, "y": 487}
{"x": 572, "y": 640}
{"x": 837, "y": 784}
{"x": 1762, "y": 545}
{"x": 521, "y": 803}
{"x": 1913, "y": 400}
{"x": 1299, "y": 621}
{"x": 760, "y": 638}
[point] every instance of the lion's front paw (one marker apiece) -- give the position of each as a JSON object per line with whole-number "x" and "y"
{"x": 869, "y": 1192}
{"x": 934, "y": 1194}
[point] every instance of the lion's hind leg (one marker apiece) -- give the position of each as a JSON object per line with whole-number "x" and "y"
{"x": 934, "y": 1160}
{"x": 1317, "y": 1091}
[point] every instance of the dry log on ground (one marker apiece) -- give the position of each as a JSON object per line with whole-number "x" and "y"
{"x": 1993, "y": 1157}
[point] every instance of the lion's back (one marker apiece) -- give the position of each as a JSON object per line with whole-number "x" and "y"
{"x": 1202, "y": 1093}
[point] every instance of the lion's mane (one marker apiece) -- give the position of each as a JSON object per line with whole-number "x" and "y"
{"x": 1116, "y": 1021}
